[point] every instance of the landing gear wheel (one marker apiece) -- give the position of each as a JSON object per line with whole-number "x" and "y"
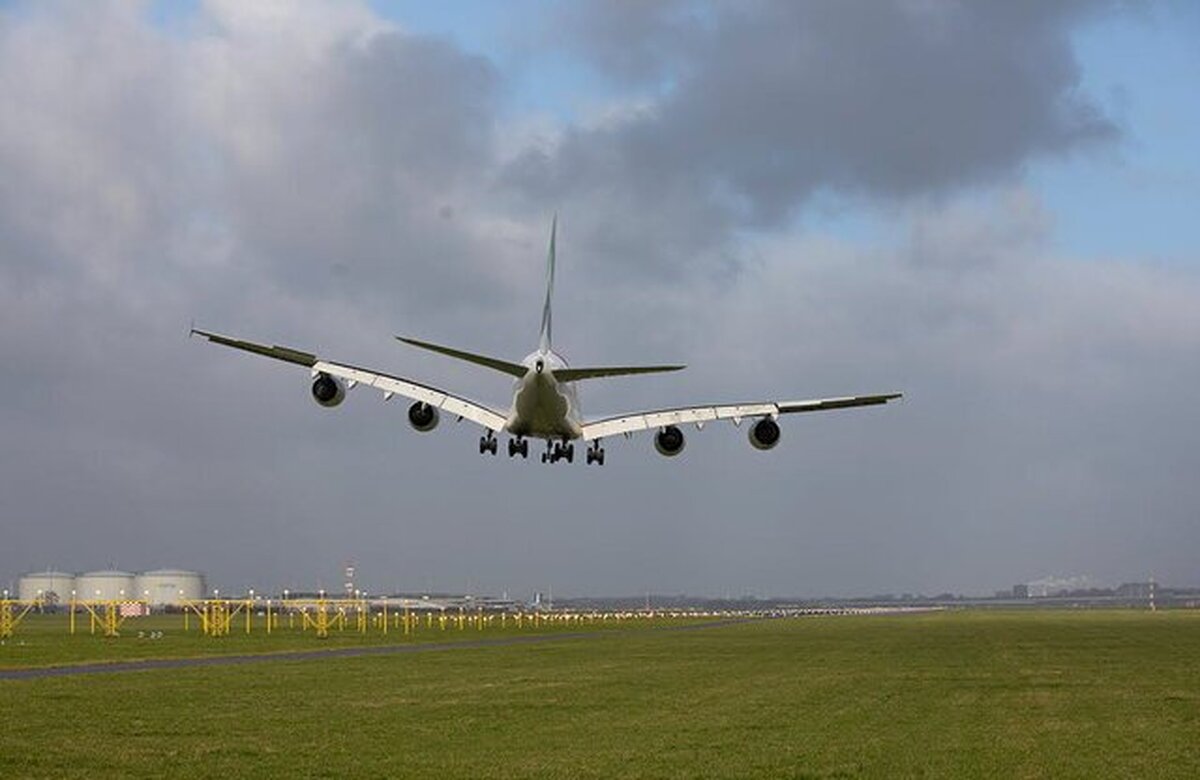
{"x": 488, "y": 444}
{"x": 556, "y": 451}
{"x": 595, "y": 454}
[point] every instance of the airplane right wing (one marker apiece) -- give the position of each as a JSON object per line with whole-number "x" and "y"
{"x": 642, "y": 421}
{"x": 389, "y": 385}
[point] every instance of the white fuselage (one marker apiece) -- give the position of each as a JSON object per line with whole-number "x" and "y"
{"x": 543, "y": 407}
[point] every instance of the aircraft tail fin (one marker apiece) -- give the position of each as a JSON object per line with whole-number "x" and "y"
{"x": 496, "y": 364}
{"x": 545, "y": 340}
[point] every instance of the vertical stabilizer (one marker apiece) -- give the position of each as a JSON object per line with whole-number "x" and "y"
{"x": 545, "y": 341}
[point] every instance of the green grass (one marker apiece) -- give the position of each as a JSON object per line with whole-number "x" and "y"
{"x": 45, "y": 640}
{"x": 963, "y": 694}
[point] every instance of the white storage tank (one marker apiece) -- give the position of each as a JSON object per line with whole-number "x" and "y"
{"x": 50, "y": 587}
{"x": 170, "y": 587}
{"x": 106, "y": 586}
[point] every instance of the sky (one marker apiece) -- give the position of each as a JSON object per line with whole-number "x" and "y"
{"x": 989, "y": 207}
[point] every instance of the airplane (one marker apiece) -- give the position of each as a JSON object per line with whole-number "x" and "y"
{"x": 545, "y": 398}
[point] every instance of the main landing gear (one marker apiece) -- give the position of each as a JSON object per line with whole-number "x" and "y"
{"x": 556, "y": 451}
{"x": 488, "y": 444}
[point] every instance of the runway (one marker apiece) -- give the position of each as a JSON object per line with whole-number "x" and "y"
{"x": 155, "y": 664}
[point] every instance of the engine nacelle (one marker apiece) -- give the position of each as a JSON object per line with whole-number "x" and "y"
{"x": 764, "y": 434}
{"x": 669, "y": 441}
{"x": 423, "y": 417}
{"x": 328, "y": 390}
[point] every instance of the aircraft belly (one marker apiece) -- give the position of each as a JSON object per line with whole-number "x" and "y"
{"x": 544, "y": 409}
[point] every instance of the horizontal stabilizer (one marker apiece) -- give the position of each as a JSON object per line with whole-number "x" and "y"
{"x": 512, "y": 369}
{"x": 575, "y": 374}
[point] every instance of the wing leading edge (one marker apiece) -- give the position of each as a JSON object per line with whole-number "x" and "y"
{"x": 386, "y": 383}
{"x": 642, "y": 421}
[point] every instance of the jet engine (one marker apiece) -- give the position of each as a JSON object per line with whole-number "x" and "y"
{"x": 328, "y": 390}
{"x": 764, "y": 434}
{"x": 423, "y": 417}
{"x": 669, "y": 441}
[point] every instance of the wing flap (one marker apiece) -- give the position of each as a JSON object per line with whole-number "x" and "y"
{"x": 460, "y": 407}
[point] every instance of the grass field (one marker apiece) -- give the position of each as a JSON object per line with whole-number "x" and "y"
{"x": 954, "y": 694}
{"x": 44, "y": 640}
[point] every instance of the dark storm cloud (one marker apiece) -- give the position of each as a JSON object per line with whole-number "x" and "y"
{"x": 289, "y": 172}
{"x": 760, "y": 105}
{"x": 340, "y": 165}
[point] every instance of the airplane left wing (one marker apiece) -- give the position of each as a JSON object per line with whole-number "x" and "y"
{"x": 389, "y": 385}
{"x": 643, "y": 421}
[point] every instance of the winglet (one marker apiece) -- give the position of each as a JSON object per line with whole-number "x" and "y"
{"x": 546, "y": 339}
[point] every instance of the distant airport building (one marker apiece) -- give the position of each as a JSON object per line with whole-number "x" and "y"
{"x": 48, "y": 587}
{"x": 1020, "y": 591}
{"x": 1055, "y": 586}
{"x": 1135, "y": 590}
